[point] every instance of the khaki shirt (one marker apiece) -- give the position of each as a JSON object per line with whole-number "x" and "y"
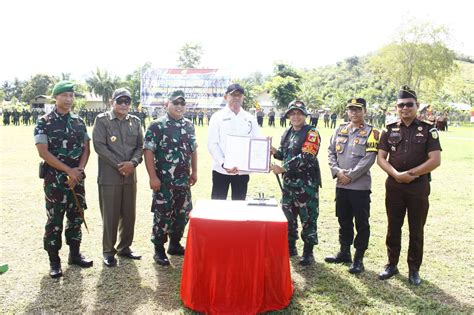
{"x": 353, "y": 150}
{"x": 117, "y": 141}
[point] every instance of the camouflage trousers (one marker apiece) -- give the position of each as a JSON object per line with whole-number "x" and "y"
{"x": 60, "y": 201}
{"x": 302, "y": 201}
{"x": 171, "y": 209}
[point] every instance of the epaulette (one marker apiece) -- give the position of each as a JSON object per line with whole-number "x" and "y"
{"x": 133, "y": 116}
{"x": 104, "y": 114}
{"x": 393, "y": 123}
{"x": 427, "y": 122}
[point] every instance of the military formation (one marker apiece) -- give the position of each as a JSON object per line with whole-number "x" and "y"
{"x": 408, "y": 151}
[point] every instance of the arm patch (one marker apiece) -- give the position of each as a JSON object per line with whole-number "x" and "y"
{"x": 373, "y": 141}
{"x": 312, "y": 142}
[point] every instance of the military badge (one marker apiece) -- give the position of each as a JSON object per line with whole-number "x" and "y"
{"x": 393, "y": 148}
{"x": 363, "y": 132}
{"x": 419, "y": 134}
{"x": 420, "y": 128}
{"x": 356, "y": 141}
{"x": 312, "y": 137}
{"x": 338, "y": 147}
{"x": 113, "y": 138}
{"x": 344, "y": 131}
{"x": 434, "y": 133}
{"x": 354, "y": 101}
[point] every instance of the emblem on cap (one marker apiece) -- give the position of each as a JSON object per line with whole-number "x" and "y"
{"x": 354, "y": 101}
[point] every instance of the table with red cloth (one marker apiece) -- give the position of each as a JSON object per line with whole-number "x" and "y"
{"x": 236, "y": 259}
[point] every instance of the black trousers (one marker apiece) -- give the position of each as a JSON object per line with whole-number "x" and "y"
{"x": 411, "y": 199}
{"x": 353, "y": 204}
{"x": 221, "y": 182}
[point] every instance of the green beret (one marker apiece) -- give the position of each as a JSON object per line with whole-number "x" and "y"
{"x": 63, "y": 86}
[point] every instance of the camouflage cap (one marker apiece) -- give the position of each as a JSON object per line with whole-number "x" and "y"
{"x": 176, "y": 94}
{"x": 296, "y": 104}
{"x": 120, "y": 93}
{"x": 63, "y": 86}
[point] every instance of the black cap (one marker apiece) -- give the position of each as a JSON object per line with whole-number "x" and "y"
{"x": 120, "y": 93}
{"x": 406, "y": 92}
{"x": 177, "y": 94}
{"x": 235, "y": 87}
{"x": 356, "y": 102}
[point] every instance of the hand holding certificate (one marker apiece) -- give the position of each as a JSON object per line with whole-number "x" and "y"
{"x": 248, "y": 154}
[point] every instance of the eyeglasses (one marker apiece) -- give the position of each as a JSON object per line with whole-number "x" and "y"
{"x": 409, "y": 105}
{"x": 123, "y": 101}
{"x": 179, "y": 102}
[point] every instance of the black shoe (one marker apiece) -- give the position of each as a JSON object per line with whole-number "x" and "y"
{"x": 414, "y": 278}
{"x": 343, "y": 256}
{"x": 176, "y": 249}
{"x": 390, "y": 271}
{"x": 131, "y": 255}
{"x": 160, "y": 256}
{"x": 308, "y": 257}
{"x": 110, "y": 261}
{"x": 80, "y": 261}
{"x": 55, "y": 270}
{"x": 339, "y": 258}
{"x": 357, "y": 267}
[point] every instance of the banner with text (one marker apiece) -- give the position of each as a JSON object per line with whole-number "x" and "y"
{"x": 203, "y": 88}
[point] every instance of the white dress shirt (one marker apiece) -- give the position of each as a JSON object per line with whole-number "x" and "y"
{"x": 223, "y": 123}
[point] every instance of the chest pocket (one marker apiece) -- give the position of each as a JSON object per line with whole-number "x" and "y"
{"x": 359, "y": 146}
{"x": 394, "y": 138}
{"x": 132, "y": 135}
{"x": 341, "y": 143}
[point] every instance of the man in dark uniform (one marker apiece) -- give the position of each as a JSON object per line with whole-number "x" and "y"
{"x": 352, "y": 152}
{"x": 118, "y": 141}
{"x": 333, "y": 120}
{"x": 63, "y": 143}
{"x": 301, "y": 179}
{"x": 170, "y": 151}
{"x": 413, "y": 150}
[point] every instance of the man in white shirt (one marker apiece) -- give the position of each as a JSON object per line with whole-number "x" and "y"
{"x": 231, "y": 120}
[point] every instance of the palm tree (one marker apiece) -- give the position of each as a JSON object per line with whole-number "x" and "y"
{"x": 103, "y": 84}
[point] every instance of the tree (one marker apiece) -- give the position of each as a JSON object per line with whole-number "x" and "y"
{"x": 419, "y": 58}
{"x": 103, "y": 84}
{"x": 284, "y": 85}
{"x": 40, "y": 84}
{"x": 190, "y": 55}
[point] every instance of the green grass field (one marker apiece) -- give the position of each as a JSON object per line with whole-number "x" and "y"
{"x": 144, "y": 287}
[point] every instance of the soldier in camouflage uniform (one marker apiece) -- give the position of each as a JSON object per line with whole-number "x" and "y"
{"x": 63, "y": 143}
{"x": 171, "y": 161}
{"x": 301, "y": 179}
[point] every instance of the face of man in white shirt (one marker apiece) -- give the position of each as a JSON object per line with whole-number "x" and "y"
{"x": 234, "y": 101}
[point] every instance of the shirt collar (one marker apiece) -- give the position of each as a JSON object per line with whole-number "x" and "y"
{"x": 113, "y": 116}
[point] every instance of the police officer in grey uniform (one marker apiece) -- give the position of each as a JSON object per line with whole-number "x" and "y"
{"x": 352, "y": 152}
{"x": 118, "y": 141}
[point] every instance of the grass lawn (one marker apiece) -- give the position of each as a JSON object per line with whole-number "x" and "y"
{"x": 144, "y": 287}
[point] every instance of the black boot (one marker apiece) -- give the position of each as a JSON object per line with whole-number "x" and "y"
{"x": 160, "y": 256}
{"x": 292, "y": 248}
{"x": 343, "y": 256}
{"x": 308, "y": 257}
{"x": 357, "y": 266}
{"x": 175, "y": 248}
{"x": 76, "y": 258}
{"x": 55, "y": 264}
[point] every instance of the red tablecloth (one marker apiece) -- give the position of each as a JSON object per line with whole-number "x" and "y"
{"x": 236, "y": 259}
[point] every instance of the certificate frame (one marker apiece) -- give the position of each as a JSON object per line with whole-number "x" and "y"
{"x": 249, "y": 154}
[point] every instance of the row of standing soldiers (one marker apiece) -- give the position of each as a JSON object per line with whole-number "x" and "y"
{"x": 25, "y": 117}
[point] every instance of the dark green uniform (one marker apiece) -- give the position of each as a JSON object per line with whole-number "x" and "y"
{"x": 65, "y": 136}
{"x": 301, "y": 181}
{"x": 172, "y": 142}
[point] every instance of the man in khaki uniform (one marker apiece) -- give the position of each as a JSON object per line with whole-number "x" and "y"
{"x": 118, "y": 141}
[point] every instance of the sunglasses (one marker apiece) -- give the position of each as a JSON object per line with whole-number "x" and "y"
{"x": 179, "y": 102}
{"x": 409, "y": 104}
{"x": 123, "y": 101}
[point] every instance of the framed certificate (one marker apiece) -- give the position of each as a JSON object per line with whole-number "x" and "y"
{"x": 248, "y": 154}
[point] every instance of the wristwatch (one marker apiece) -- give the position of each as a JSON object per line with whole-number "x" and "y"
{"x": 135, "y": 164}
